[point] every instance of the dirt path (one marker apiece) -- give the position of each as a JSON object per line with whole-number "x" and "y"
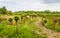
{"x": 48, "y": 32}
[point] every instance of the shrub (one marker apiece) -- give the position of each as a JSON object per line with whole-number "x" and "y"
{"x": 16, "y": 18}
{"x": 44, "y": 22}
{"x": 10, "y": 21}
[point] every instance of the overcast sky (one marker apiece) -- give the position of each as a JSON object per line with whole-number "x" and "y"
{"x": 16, "y": 5}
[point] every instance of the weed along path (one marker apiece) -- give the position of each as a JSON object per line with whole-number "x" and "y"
{"x": 48, "y": 32}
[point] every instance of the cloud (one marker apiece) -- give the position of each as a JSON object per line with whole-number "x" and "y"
{"x": 51, "y": 1}
{"x": 16, "y": 5}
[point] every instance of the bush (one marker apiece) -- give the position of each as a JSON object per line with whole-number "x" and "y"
{"x": 44, "y": 22}
{"x": 16, "y": 18}
{"x": 10, "y": 21}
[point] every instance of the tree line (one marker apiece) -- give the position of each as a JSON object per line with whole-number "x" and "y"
{"x": 4, "y": 10}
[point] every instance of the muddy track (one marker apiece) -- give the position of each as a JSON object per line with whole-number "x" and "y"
{"x": 48, "y": 32}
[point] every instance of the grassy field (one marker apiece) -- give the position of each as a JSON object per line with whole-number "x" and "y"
{"x": 29, "y": 25}
{"x": 26, "y": 29}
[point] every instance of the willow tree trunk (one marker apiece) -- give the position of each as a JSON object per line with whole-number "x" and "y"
{"x": 16, "y": 27}
{"x": 54, "y": 26}
{"x": 42, "y": 22}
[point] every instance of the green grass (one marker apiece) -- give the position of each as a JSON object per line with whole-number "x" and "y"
{"x": 26, "y": 28}
{"x": 50, "y": 25}
{"x": 24, "y": 31}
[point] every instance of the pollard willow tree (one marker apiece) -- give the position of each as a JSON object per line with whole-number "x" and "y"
{"x": 44, "y": 22}
{"x": 10, "y": 21}
{"x": 16, "y": 18}
{"x": 55, "y": 21}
